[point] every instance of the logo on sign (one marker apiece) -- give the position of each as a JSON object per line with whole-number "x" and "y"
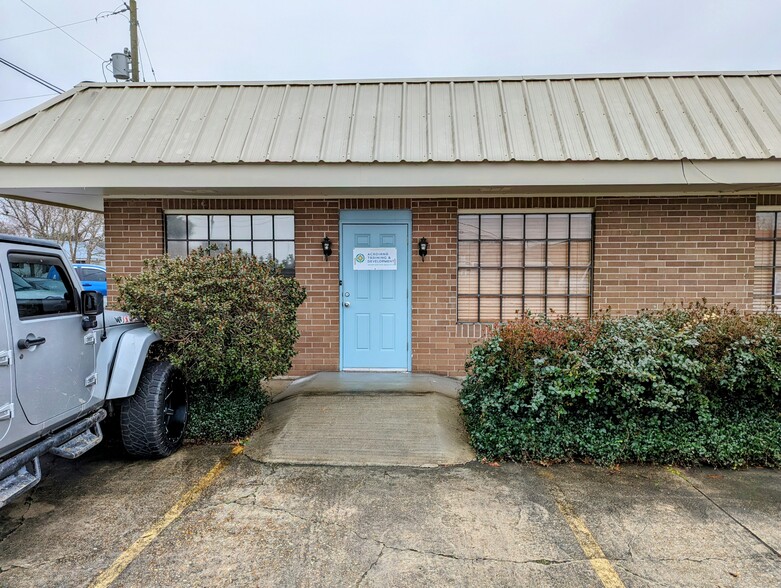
{"x": 374, "y": 258}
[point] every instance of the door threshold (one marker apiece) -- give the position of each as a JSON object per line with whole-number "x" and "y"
{"x": 392, "y": 370}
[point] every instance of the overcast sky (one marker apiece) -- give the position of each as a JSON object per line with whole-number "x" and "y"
{"x": 335, "y": 39}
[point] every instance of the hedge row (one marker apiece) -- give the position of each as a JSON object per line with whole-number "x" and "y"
{"x": 690, "y": 385}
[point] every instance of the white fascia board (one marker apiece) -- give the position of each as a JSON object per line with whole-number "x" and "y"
{"x": 714, "y": 176}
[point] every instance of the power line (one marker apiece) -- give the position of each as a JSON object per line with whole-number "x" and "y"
{"x": 32, "y": 76}
{"x": 70, "y": 24}
{"x": 146, "y": 50}
{"x": 27, "y": 97}
{"x": 61, "y": 29}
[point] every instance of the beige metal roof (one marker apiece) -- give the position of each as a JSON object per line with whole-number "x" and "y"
{"x": 634, "y": 117}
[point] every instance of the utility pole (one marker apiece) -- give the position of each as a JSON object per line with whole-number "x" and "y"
{"x": 133, "y": 41}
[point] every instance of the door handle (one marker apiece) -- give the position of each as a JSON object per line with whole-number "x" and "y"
{"x": 347, "y": 304}
{"x": 30, "y": 341}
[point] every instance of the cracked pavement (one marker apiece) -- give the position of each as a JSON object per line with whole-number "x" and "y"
{"x": 474, "y": 525}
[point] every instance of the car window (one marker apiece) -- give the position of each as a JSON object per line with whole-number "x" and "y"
{"x": 41, "y": 285}
{"x": 91, "y": 274}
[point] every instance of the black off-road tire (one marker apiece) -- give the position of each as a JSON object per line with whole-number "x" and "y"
{"x": 153, "y": 420}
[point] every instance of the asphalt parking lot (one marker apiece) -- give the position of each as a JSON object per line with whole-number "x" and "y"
{"x": 210, "y": 516}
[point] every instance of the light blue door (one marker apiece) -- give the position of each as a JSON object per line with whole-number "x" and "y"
{"x": 375, "y": 263}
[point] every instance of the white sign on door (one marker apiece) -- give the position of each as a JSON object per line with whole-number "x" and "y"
{"x": 374, "y": 258}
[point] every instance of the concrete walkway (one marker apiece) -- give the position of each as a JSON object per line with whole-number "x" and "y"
{"x": 382, "y": 419}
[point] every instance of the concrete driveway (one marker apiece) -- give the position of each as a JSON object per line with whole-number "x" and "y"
{"x": 207, "y": 517}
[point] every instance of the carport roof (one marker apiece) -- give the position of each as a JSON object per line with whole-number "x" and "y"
{"x": 632, "y": 117}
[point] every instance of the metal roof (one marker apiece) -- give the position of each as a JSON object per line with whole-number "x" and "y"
{"x": 632, "y": 117}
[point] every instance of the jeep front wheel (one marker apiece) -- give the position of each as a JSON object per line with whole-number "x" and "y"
{"x": 152, "y": 421}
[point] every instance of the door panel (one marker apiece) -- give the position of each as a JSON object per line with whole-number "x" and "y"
{"x": 375, "y": 302}
{"x": 51, "y": 376}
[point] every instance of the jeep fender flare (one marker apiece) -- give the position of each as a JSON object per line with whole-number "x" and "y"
{"x": 129, "y": 361}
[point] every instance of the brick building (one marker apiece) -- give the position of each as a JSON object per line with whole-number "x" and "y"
{"x": 566, "y": 195}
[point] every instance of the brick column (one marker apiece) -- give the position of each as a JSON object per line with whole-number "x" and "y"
{"x": 134, "y": 231}
{"x": 318, "y": 317}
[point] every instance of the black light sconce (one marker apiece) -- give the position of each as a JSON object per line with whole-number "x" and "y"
{"x": 423, "y": 248}
{"x": 326, "y": 243}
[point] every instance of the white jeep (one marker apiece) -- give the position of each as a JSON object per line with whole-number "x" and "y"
{"x": 66, "y": 363}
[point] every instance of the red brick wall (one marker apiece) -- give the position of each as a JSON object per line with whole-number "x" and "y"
{"x": 652, "y": 251}
{"x": 134, "y": 231}
{"x": 318, "y": 317}
{"x": 647, "y": 251}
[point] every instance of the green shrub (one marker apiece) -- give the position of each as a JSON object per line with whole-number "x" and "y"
{"x": 685, "y": 385}
{"x": 217, "y": 415}
{"x": 227, "y": 320}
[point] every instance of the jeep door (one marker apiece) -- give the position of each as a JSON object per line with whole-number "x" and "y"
{"x": 54, "y": 362}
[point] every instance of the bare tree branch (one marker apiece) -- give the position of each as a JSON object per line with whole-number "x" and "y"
{"x": 78, "y": 231}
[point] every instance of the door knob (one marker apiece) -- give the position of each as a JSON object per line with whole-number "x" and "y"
{"x": 347, "y": 304}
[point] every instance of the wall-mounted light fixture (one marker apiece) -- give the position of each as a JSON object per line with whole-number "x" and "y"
{"x": 423, "y": 248}
{"x": 326, "y": 243}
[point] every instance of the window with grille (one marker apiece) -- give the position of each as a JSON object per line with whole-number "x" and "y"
{"x": 268, "y": 236}
{"x": 767, "y": 262}
{"x": 510, "y": 264}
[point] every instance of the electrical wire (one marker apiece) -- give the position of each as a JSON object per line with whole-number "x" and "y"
{"x": 32, "y": 76}
{"x": 146, "y": 50}
{"x": 27, "y": 97}
{"x": 70, "y": 24}
{"x": 61, "y": 29}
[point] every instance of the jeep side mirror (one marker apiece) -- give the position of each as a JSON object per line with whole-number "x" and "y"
{"x": 91, "y": 303}
{"x": 91, "y": 307}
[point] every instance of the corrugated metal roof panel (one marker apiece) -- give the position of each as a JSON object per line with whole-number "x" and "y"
{"x": 260, "y": 123}
{"x": 415, "y": 135}
{"x": 387, "y": 143}
{"x": 214, "y": 124}
{"x": 234, "y": 135}
{"x": 493, "y": 120}
{"x": 337, "y": 127}
{"x": 364, "y": 124}
{"x": 609, "y": 118}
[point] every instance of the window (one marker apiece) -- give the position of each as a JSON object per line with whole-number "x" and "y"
{"x": 767, "y": 262}
{"x": 268, "y": 236}
{"x": 41, "y": 286}
{"x": 91, "y": 274}
{"x": 509, "y": 264}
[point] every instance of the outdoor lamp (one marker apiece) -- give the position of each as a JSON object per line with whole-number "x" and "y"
{"x": 423, "y": 248}
{"x": 326, "y": 243}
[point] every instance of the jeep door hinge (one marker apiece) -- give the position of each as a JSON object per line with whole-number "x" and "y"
{"x": 6, "y": 358}
{"x": 91, "y": 380}
{"x": 90, "y": 338}
{"x": 6, "y": 412}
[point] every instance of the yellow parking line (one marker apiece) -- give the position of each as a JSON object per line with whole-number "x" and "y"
{"x": 604, "y": 569}
{"x": 126, "y": 557}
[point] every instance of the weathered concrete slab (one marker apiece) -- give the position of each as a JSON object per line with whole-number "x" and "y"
{"x": 660, "y": 530}
{"x": 267, "y": 525}
{"x": 85, "y": 512}
{"x": 473, "y": 525}
{"x": 366, "y": 428}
